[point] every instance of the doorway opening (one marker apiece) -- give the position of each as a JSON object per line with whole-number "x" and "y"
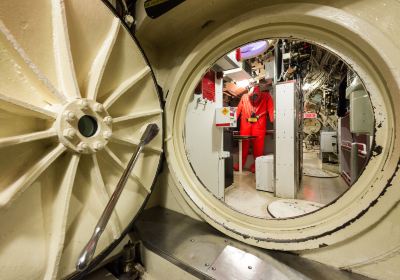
{"x": 279, "y": 128}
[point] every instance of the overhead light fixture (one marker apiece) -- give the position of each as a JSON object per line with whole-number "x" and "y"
{"x": 243, "y": 83}
{"x": 253, "y": 49}
{"x": 306, "y": 86}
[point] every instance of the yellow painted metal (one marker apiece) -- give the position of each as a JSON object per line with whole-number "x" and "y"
{"x": 59, "y": 61}
{"x": 54, "y": 52}
{"x": 359, "y": 231}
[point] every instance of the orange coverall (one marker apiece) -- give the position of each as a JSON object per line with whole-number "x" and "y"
{"x": 258, "y": 105}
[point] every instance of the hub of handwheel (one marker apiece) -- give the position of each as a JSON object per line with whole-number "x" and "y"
{"x": 84, "y": 126}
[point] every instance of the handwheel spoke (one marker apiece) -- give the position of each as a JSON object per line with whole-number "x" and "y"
{"x": 135, "y": 142}
{"x": 138, "y": 115}
{"x": 64, "y": 64}
{"x": 58, "y": 59}
{"x": 104, "y": 196}
{"x": 121, "y": 166}
{"x": 28, "y": 108}
{"x": 59, "y": 223}
{"x": 100, "y": 62}
{"x": 12, "y": 191}
{"x": 19, "y": 139}
{"x": 126, "y": 85}
{"x": 31, "y": 74}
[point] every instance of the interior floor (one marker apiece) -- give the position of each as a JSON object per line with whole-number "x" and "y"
{"x": 243, "y": 196}
{"x": 321, "y": 190}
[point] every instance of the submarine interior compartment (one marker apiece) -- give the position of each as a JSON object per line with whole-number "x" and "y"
{"x": 113, "y": 167}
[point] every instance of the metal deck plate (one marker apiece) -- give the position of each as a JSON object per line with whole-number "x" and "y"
{"x": 201, "y": 250}
{"x": 234, "y": 263}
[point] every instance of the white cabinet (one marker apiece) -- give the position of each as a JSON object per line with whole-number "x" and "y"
{"x": 288, "y": 143}
{"x": 265, "y": 173}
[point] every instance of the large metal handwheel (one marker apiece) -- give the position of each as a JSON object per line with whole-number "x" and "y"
{"x": 76, "y": 93}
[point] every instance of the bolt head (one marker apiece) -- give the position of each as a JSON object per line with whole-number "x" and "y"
{"x": 82, "y": 147}
{"x": 69, "y": 116}
{"x": 98, "y": 146}
{"x": 98, "y": 107}
{"x": 69, "y": 133}
{"x": 108, "y": 120}
{"x": 107, "y": 134}
{"x": 129, "y": 19}
{"x": 84, "y": 104}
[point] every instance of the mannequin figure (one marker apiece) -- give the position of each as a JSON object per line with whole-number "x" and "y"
{"x": 253, "y": 109}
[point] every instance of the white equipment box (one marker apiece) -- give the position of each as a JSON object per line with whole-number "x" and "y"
{"x": 265, "y": 173}
{"x": 328, "y": 142}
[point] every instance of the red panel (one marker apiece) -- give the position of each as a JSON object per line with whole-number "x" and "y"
{"x": 238, "y": 56}
{"x": 208, "y": 85}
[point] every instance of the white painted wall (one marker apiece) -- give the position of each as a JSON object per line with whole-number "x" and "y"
{"x": 204, "y": 141}
{"x": 204, "y": 144}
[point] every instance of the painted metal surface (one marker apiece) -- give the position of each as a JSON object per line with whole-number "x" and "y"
{"x": 265, "y": 180}
{"x": 203, "y": 144}
{"x": 365, "y": 34}
{"x": 287, "y": 149}
{"x": 312, "y": 230}
{"x": 54, "y": 187}
{"x": 59, "y": 61}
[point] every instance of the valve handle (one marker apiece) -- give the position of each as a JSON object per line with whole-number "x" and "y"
{"x": 88, "y": 251}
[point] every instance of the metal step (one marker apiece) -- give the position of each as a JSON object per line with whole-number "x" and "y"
{"x": 199, "y": 249}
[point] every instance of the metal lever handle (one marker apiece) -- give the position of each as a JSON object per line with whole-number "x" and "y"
{"x": 88, "y": 251}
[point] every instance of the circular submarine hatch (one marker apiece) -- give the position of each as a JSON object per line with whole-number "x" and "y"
{"x": 76, "y": 96}
{"x": 370, "y": 197}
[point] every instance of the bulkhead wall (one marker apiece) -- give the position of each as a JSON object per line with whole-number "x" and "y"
{"x": 358, "y": 232}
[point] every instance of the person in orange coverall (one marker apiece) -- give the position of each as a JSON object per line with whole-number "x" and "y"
{"x": 253, "y": 109}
